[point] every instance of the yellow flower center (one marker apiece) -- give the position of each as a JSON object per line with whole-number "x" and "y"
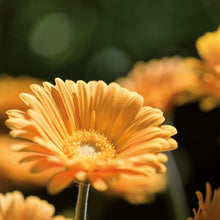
{"x": 88, "y": 146}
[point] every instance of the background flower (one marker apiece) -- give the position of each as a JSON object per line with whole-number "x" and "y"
{"x": 160, "y": 82}
{"x": 138, "y": 190}
{"x": 14, "y": 206}
{"x": 209, "y": 49}
{"x": 208, "y": 69}
{"x": 209, "y": 209}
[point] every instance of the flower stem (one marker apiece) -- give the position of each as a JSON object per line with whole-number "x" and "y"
{"x": 176, "y": 190}
{"x": 81, "y": 206}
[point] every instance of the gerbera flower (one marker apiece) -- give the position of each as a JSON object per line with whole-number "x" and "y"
{"x": 210, "y": 208}
{"x": 90, "y": 132}
{"x": 208, "y": 47}
{"x": 160, "y": 81}
{"x": 14, "y": 206}
{"x": 138, "y": 190}
{"x": 208, "y": 69}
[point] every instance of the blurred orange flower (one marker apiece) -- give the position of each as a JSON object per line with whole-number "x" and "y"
{"x": 138, "y": 190}
{"x": 90, "y": 132}
{"x": 14, "y": 206}
{"x": 208, "y": 47}
{"x": 161, "y": 82}
{"x": 210, "y": 208}
{"x": 208, "y": 69}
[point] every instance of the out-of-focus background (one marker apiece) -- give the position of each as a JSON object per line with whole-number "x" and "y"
{"x": 102, "y": 39}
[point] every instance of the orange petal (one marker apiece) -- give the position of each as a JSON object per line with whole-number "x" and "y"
{"x": 43, "y": 165}
{"x": 60, "y": 181}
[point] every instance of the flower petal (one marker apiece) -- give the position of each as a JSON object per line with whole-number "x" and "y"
{"x": 60, "y": 181}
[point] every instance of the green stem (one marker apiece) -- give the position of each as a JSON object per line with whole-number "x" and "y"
{"x": 176, "y": 190}
{"x": 81, "y": 206}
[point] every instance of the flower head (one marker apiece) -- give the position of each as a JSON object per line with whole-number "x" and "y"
{"x": 208, "y": 47}
{"x": 160, "y": 81}
{"x": 210, "y": 208}
{"x": 138, "y": 190}
{"x": 14, "y": 206}
{"x": 90, "y": 132}
{"x": 208, "y": 69}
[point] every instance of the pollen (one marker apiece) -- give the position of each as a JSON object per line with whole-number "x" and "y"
{"x": 88, "y": 146}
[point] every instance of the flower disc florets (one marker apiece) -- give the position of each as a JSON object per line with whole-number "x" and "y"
{"x": 88, "y": 146}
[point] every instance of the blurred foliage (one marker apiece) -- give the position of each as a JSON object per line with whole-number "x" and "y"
{"x": 97, "y": 39}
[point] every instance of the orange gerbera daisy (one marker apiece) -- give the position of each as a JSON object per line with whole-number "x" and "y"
{"x": 208, "y": 47}
{"x": 210, "y": 208}
{"x": 90, "y": 132}
{"x": 14, "y": 206}
{"x": 138, "y": 190}
{"x": 159, "y": 81}
{"x": 208, "y": 69}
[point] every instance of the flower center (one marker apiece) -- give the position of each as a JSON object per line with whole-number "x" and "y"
{"x": 88, "y": 150}
{"x": 89, "y": 146}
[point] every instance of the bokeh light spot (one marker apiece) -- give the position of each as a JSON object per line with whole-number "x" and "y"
{"x": 51, "y": 35}
{"x": 109, "y": 63}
